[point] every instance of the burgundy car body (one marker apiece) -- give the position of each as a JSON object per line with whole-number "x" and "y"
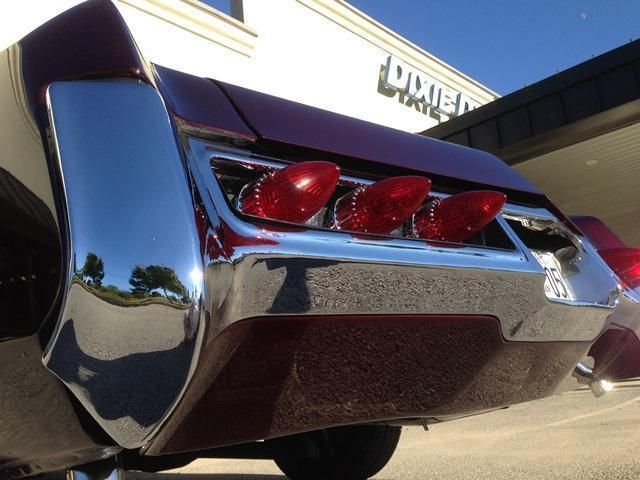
{"x": 616, "y": 352}
{"x": 285, "y": 328}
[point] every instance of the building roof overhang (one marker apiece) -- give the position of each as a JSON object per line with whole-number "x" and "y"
{"x": 593, "y": 98}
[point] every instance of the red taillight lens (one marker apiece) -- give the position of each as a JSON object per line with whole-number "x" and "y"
{"x": 293, "y": 194}
{"x": 459, "y": 217}
{"x": 381, "y": 207}
{"x": 625, "y": 262}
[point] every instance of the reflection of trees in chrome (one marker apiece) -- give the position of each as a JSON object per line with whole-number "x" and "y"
{"x": 146, "y": 283}
{"x": 145, "y": 280}
{"x": 93, "y": 270}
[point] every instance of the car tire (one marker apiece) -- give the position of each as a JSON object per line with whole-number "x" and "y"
{"x": 341, "y": 453}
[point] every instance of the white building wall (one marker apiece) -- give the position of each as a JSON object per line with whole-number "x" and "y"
{"x": 323, "y": 53}
{"x": 307, "y": 57}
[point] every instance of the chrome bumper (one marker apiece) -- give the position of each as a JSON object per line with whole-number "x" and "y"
{"x": 129, "y": 199}
{"x": 293, "y": 270}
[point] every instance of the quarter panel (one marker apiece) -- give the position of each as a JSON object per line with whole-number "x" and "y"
{"x": 29, "y": 240}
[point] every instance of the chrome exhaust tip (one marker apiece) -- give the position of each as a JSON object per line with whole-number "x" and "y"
{"x": 585, "y": 376}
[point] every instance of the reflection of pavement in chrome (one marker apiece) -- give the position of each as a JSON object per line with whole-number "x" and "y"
{"x": 569, "y": 436}
{"x": 110, "y": 331}
{"x": 127, "y": 363}
{"x": 324, "y": 287}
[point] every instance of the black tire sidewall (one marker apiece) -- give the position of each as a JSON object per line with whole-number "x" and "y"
{"x": 341, "y": 453}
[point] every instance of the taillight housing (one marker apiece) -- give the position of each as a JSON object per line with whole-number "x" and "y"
{"x": 293, "y": 194}
{"x": 317, "y": 195}
{"x": 625, "y": 261}
{"x": 381, "y": 207}
{"x": 458, "y": 217}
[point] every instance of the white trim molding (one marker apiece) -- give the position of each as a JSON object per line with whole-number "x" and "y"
{"x": 357, "y": 22}
{"x": 200, "y": 19}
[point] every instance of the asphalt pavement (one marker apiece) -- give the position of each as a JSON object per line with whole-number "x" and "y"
{"x": 569, "y": 436}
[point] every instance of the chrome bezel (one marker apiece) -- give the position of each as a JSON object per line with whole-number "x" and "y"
{"x": 207, "y": 155}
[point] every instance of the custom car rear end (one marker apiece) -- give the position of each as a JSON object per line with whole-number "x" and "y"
{"x": 187, "y": 266}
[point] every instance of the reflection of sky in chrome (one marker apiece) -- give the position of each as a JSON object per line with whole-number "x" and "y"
{"x": 121, "y": 250}
{"x": 155, "y": 240}
{"x": 124, "y": 180}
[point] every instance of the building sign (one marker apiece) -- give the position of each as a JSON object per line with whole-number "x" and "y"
{"x": 422, "y": 89}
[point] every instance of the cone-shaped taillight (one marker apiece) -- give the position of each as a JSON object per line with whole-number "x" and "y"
{"x": 625, "y": 262}
{"x": 459, "y": 217}
{"x": 293, "y": 194}
{"x": 381, "y": 207}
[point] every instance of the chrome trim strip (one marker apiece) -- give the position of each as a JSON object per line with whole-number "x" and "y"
{"x": 513, "y": 211}
{"x": 510, "y": 211}
{"x": 251, "y": 162}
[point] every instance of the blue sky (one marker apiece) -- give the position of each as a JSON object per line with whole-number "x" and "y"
{"x": 506, "y": 44}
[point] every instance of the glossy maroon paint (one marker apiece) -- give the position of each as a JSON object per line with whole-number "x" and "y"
{"x": 598, "y": 233}
{"x": 272, "y": 376}
{"x": 91, "y": 40}
{"x": 617, "y": 354}
{"x": 287, "y": 122}
{"x": 200, "y": 102}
